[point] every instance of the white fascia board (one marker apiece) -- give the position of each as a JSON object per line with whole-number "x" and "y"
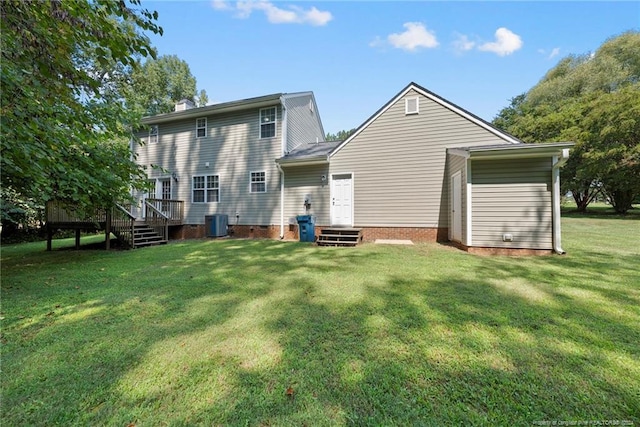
{"x": 436, "y": 99}
{"x": 469, "y": 117}
{"x": 522, "y": 151}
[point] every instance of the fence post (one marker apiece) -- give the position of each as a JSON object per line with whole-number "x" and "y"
{"x": 107, "y": 230}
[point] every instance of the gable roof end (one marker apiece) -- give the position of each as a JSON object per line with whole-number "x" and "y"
{"x": 440, "y": 100}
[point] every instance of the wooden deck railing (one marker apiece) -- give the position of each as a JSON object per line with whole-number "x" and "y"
{"x": 122, "y": 224}
{"x": 61, "y": 213}
{"x": 160, "y": 214}
{"x": 172, "y": 209}
{"x": 157, "y": 220}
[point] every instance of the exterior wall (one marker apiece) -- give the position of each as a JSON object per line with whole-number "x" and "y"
{"x": 233, "y": 149}
{"x": 302, "y": 180}
{"x": 512, "y": 196}
{"x": 303, "y": 121}
{"x": 399, "y": 162}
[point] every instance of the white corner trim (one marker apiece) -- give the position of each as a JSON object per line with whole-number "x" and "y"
{"x": 555, "y": 202}
{"x": 469, "y": 205}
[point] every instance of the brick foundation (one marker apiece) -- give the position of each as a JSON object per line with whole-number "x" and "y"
{"x": 415, "y": 234}
{"x": 263, "y": 231}
{"x": 199, "y": 231}
{"x": 188, "y": 231}
{"x": 369, "y": 234}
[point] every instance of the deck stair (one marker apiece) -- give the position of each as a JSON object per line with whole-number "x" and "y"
{"x": 144, "y": 235}
{"x": 339, "y": 236}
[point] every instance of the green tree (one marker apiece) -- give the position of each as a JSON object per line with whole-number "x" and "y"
{"x": 340, "y": 136}
{"x": 65, "y": 130}
{"x": 158, "y": 84}
{"x": 590, "y": 99}
{"x": 203, "y": 99}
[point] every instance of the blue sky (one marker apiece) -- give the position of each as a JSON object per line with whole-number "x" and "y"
{"x": 356, "y": 55}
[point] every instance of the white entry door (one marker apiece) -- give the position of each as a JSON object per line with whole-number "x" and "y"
{"x": 456, "y": 207}
{"x": 342, "y": 200}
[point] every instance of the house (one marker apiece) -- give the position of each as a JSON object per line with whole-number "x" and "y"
{"x": 220, "y": 159}
{"x": 419, "y": 168}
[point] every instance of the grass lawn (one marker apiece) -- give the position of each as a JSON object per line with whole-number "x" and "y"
{"x": 242, "y": 332}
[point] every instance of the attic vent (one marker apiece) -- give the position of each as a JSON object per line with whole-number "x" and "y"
{"x": 311, "y": 105}
{"x": 411, "y": 106}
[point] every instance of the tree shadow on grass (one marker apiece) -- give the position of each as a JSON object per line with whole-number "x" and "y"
{"x": 66, "y": 353}
{"x": 215, "y": 333}
{"x": 441, "y": 352}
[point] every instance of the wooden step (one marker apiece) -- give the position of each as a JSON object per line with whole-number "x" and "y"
{"x": 144, "y": 236}
{"x": 334, "y": 236}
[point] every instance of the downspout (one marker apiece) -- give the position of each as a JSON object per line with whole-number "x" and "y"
{"x": 281, "y": 201}
{"x": 557, "y": 163}
{"x": 285, "y": 125}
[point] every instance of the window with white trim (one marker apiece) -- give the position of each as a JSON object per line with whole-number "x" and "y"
{"x": 205, "y": 189}
{"x": 201, "y": 127}
{"x": 153, "y": 134}
{"x": 411, "y": 105}
{"x": 258, "y": 182}
{"x": 268, "y": 122}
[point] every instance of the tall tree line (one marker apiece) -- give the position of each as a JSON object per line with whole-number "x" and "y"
{"x": 592, "y": 99}
{"x": 76, "y": 78}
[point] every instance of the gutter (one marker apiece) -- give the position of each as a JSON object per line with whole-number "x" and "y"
{"x": 558, "y": 162}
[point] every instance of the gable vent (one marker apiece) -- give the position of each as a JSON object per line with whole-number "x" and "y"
{"x": 412, "y": 105}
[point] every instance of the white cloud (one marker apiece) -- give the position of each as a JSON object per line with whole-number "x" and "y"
{"x": 415, "y": 36}
{"x": 506, "y": 43}
{"x": 275, "y": 14}
{"x": 220, "y": 5}
{"x": 554, "y": 52}
{"x": 462, "y": 43}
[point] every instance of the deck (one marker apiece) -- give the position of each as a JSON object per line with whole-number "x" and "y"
{"x": 160, "y": 214}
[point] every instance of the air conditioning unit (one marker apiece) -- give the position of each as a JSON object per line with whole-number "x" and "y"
{"x": 216, "y": 225}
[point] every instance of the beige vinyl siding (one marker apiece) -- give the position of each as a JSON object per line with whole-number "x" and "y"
{"x": 301, "y": 180}
{"x": 233, "y": 149}
{"x": 303, "y": 123}
{"x": 399, "y": 160}
{"x": 512, "y": 196}
{"x": 458, "y": 164}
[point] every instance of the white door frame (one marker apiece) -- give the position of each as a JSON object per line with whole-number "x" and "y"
{"x": 456, "y": 207}
{"x": 157, "y": 193}
{"x": 331, "y": 195}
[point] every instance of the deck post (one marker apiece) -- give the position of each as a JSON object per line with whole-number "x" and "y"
{"x": 77, "y": 238}
{"x": 107, "y": 230}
